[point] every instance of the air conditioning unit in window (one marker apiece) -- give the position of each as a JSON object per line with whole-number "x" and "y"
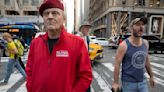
{"x": 151, "y": 5}
{"x": 135, "y": 4}
{"x": 123, "y": 1}
{"x": 157, "y": 2}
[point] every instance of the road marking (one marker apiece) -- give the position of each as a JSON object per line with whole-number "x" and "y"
{"x": 157, "y": 65}
{"x": 101, "y": 82}
{"x": 161, "y": 56}
{"x": 110, "y": 66}
{"x": 157, "y": 80}
{"x": 5, "y": 59}
{"x": 92, "y": 90}
{"x": 13, "y": 79}
{"x": 158, "y": 72}
{"x": 22, "y": 88}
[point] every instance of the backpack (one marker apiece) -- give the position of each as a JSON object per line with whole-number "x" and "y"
{"x": 19, "y": 47}
{"x": 20, "y": 39}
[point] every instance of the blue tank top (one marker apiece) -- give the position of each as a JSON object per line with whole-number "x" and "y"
{"x": 133, "y": 64}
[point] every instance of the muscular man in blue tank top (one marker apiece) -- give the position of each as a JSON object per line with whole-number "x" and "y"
{"x": 133, "y": 54}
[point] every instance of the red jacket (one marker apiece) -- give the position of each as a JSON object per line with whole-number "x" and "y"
{"x": 67, "y": 69}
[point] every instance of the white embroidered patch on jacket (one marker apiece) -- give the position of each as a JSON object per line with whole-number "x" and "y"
{"x": 62, "y": 53}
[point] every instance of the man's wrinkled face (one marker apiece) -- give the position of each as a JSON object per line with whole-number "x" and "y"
{"x": 85, "y": 30}
{"x": 53, "y": 18}
{"x": 138, "y": 29}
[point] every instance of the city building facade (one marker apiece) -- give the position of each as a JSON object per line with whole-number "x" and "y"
{"x": 81, "y": 12}
{"x": 112, "y": 17}
{"x": 20, "y": 10}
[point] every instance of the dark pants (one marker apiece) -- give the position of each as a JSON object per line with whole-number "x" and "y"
{"x": 21, "y": 63}
{"x": 88, "y": 90}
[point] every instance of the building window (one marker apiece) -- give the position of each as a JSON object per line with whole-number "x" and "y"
{"x": 25, "y": 2}
{"x": 141, "y": 2}
{"x": 12, "y": 13}
{"x": 35, "y": 2}
{"x": 31, "y": 13}
{"x": 162, "y": 1}
{"x": 7, "y": 2}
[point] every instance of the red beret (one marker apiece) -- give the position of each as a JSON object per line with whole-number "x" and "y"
{"x": 50, "y": 4}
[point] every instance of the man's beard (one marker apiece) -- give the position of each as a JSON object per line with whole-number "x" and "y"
{"x": 136, "y": 35}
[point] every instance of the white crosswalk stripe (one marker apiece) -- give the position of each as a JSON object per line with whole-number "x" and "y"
{"x": 103, "y": 85}
{"x": 22, "y": 88}
{"x": 5, "y": 59}
{"x": 156, "y": 71}
{"x": 13, "y": 79}
{"x": 92, "y": 90}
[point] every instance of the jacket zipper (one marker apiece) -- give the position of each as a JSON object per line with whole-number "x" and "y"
{"x": 49, "y": 60}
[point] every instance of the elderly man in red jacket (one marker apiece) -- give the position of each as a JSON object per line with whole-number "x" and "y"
{"x": 57, "y": 61}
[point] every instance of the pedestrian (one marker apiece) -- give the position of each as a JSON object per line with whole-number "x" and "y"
{"x": 2, "y": 49}
{"x": 58, "y": 61}
{"x": 19, "y": 46}
{"x": 133, "y": 54}
{"x": 13, "y": 62}
{"x": 0, "y": 56}
{"x": 84, "y": 33}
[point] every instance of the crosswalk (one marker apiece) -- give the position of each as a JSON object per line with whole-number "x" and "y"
{"x": 101, "y": 82}
{"x": 15, "y": 77}
{"x": 155, "y": 72}
{"x": 22, "y": 88}
{"x": 157, "y": 65}
{"x": 103, "y": 77}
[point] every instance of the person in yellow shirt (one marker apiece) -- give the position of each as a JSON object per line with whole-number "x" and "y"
{"x": 13, "y": 62}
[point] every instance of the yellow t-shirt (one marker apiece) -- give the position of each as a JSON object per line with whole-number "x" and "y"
{"x": 11, "y": 46}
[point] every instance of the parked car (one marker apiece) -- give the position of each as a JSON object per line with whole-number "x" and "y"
{"x": 103, "y": 41}
{"x": 113, "y": 41}
{"x": 95, "y": 51}
{"x": 155, "y": 43}
{"x": 93, "y": 39}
